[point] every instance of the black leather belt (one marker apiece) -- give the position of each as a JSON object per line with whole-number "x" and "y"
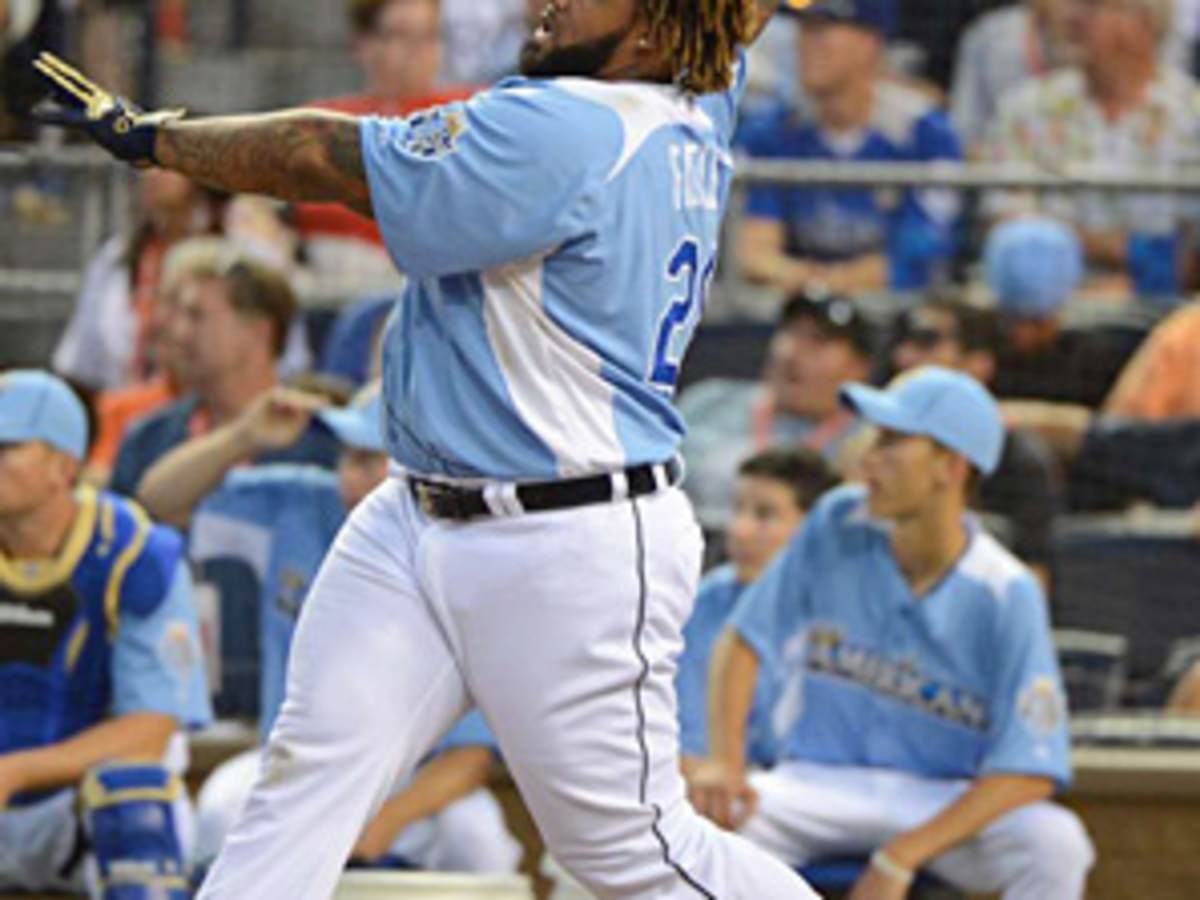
{"x": 440, "y": 500}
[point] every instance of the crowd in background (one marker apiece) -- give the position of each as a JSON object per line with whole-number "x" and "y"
{"x": 197, "y": 362}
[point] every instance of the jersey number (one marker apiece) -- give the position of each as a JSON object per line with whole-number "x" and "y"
{"x": 683, "y": 267}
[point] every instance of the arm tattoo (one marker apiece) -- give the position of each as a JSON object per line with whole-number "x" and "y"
{"x": 298, "y": 156}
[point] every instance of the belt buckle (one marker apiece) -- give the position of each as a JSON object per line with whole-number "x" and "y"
{"x": 426, "y": 498}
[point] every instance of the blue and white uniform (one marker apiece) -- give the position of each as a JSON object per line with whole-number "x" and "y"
{"x": 276, "y": 523}
{"x": 715, "y": 603}
{"x": 560, "y": 236}
{"x": 893, "y": 703}
{"x": 105, "y": 629}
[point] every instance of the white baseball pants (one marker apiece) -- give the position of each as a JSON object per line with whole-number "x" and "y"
{"x": 469, "y": 835}
{"x": 563, "y": 628}
{"x": 808, "y": 811}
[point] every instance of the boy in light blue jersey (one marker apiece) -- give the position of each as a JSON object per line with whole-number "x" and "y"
{"x": 774, "y": 492}
{"x": 100, "y": 668}
{"x": 928, "y": 721}
{"x": 533, "y": 555}
{"x": 268, "y": 528}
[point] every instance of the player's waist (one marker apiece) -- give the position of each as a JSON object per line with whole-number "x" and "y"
{"x": 464, "y": 501}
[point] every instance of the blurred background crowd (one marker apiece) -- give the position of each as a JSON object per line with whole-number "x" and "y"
{"x": 174, "y": 310}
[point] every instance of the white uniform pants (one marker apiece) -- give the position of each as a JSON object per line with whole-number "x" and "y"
{"x": 808, "y": 811}
{"x": 563, "y": 628}
{"x": 469, "y": 835}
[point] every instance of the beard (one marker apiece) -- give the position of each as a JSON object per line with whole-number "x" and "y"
{"x": 582, "y": 60}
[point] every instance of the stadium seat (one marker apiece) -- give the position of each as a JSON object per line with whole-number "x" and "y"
{"x": 1132, "y": 579}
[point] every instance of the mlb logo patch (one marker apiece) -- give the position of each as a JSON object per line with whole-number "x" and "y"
{"x": 433, "y": 133}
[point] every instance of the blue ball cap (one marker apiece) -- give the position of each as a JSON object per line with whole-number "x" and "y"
{"x": 1033, "y": 266}
{"x": 875, "y": 15}
{"x": 951, "y": 408}
{"x": 38, "y": 406}
{"x": 360, "y": 424}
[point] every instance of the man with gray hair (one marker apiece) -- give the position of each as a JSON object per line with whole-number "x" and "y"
{"x": 1122, "y": 108}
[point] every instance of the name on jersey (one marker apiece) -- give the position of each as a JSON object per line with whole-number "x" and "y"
{"x": 24, "y": 617}
{"x": 829, "y": 653}
{"x": 696, "y": 173}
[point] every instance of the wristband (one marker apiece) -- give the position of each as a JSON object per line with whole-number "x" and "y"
{"x": 892, "y": 869}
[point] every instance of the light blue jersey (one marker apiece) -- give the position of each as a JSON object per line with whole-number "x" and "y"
{"x": 560, "y": 235}
{"x": 264, "y": 534}
{"x": 715, "y": 602}
{"x": 958, "y": 683}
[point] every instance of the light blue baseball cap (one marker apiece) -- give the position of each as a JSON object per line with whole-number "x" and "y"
{"x": 360, "y": 424}
{"x": 38, "y": 406}
{"x": 1033, "y": 265}
{"x": 951, "y": 408}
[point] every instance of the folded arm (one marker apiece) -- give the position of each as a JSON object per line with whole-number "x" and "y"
{"x": 132, "y": 738}
{"x": 299, "y": 156}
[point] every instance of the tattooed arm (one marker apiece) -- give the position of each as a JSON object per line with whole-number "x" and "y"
{"x": 301, "y": 156}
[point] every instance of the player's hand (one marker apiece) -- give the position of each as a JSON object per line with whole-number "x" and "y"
{"x": 277, "y": 419}
{"x": 722, "y": 793}
{"x": 120, "y": 127}
{"x": 875, "y": 885}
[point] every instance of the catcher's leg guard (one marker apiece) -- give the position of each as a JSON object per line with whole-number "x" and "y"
{"x": 131, "y": 824}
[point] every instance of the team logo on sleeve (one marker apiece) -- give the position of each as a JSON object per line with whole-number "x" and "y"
{"x": 178, "y": 653}
{"x": 433, "y": 133}
{"x": 1041, "y": 707}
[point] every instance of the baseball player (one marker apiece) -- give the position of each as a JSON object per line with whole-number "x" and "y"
{"x": 929, "y": 722}
{"x": 533, "y": 555}
{"x": 99, "y": 668}
{"x": 775, "y": 489}
{"x": 270, "y": 527}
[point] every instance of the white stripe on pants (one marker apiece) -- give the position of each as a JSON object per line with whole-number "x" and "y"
{"x": 564, "y": 629}
{"x": 808, "y": 811}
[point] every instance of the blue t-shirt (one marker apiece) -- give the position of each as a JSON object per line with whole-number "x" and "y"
{"x": 259, "y": 540}
{"x": 560, "y": 235}
{"x": 958, "y": 683}
{"x": 915, "y": 229}
{"x": 152, "y": 437}
{"x": 715, "y": 602}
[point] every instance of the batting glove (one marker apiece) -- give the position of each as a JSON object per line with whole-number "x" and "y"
{"x": 120, "y": 127}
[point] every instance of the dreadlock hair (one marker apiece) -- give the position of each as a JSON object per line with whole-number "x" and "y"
{"x": 700, "y": 38}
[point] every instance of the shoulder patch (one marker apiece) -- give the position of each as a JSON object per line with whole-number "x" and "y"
{"x": 433, "y": 133}
{"x": 1041, "y": 707}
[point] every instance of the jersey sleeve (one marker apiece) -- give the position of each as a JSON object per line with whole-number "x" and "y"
{"x": 925, "y": 230}
{"x": 469, "y": 186}
{"x": 776, "y": 607}
{"x": 691, "y": 677}
{"x": 1029, "y": 731}
{"x": 471, "y": 731}
{"x": 157, "y": 663}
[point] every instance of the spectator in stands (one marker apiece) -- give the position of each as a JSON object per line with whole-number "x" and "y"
{"x": 848, "y": 241}
{"x": 109, "y": 340}
{"x": 398, "y": 44}
{"x": 1162, "y": 381}
{"x": 819, "y": 344}
{"x": 230, "y": 322}
{"x": 1026, "y": 489}
{"x": 277, "y": 522}
{"x": 1119, "y": 108}
{"x": 902, "y": 734}
{"x": 775, "y": 489}
{"x": 1033, "y": 267}
{"x": 1001, "y": 50}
